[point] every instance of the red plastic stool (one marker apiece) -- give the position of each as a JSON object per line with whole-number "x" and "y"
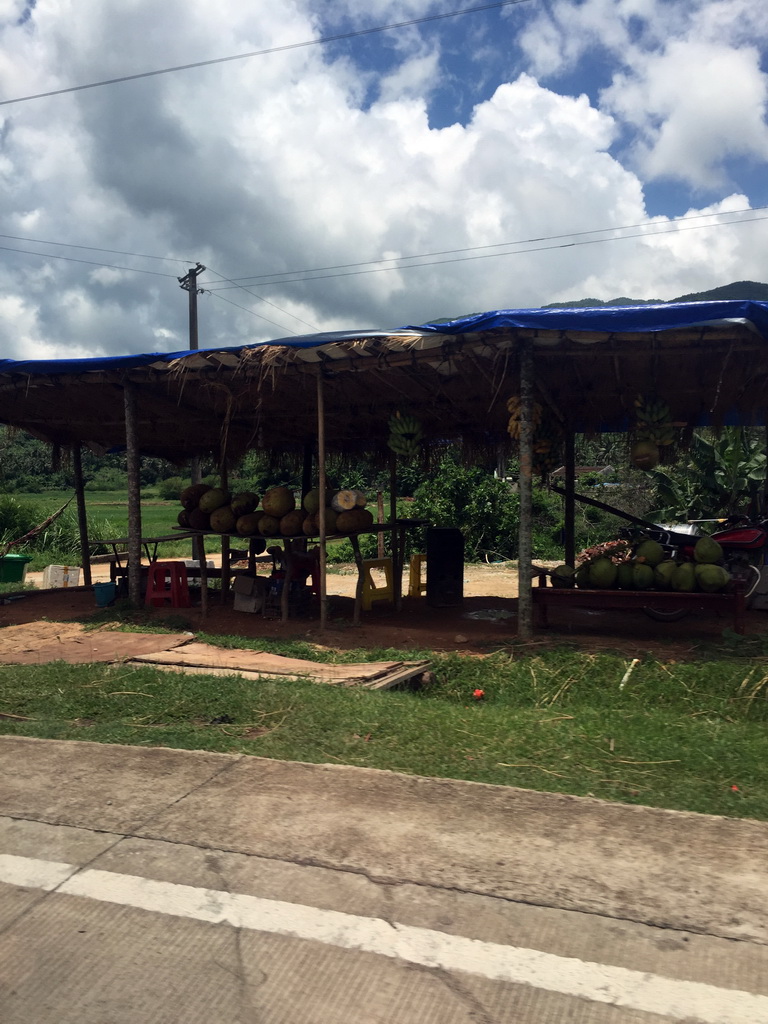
{"x": 167, "y": 581}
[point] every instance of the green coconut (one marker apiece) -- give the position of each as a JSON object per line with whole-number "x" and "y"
{"x": 602, "y": 573}
{"x": 191, "y": 495}
{"x": 213, "y": 498}
{"x": 311, "y": 501}
{"x": 683, "y": 577}
{"x": 278, "y": 502}
{"x": 269, "y": 526}
{"x": 582, "y": 576}
{"x": 199, "y": 520}
{"x": 625, "y": 575}
{"x": 651, "y": 552}
{"x": 563, "y": 576}
{"x": 223, "y": 520}
{"x": 707, "y": 551}
{"x": 248, "y": 524}
{"x": 244, "y": 503}
{"x": 642, "y": 576}
{"x": 291, "y": 523}
{"x": 311, "y": 525}
{"x": 711, "y": 578}
{"x": 662, "y": 575}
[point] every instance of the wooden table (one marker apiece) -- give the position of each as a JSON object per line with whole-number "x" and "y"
{"x": 546, "y": 597}
{"x": 399, "y": 530}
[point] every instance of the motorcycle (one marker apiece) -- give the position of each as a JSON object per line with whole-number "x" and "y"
{"x": 744, "y": 543}
{"x": 745, "y": 552}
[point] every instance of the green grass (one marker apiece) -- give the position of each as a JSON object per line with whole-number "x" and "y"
{"x": 678, "y": 735}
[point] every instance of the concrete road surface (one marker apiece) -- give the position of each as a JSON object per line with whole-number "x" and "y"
{"x": 151, "y": 885}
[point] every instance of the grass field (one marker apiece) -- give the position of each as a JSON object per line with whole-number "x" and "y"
{"x": 681, "y": 735}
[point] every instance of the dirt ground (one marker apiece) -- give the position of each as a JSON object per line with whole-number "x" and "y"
{"x": 485, "y": 621}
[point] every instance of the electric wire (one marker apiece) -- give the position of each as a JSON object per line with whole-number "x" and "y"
{"x": 338, "y": 37}
{"x": 262, "y": 299}
{"x": 251, "y": 311}
{"x": 516, "y": 252}
{"x": 95, "y": 248}
{"x": 91, "y": 263}
{"x": 269, "y": 278}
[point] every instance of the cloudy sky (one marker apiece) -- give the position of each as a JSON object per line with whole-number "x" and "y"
{"x": 529, "y": 153}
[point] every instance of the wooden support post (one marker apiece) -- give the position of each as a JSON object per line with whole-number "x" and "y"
{"x": 133, "y": 458}
{"x": 360, "y": 579}
{"x": 380, "y": 521}
{"x": 569, "y": 523}
{"x": 82, "y": 517}
{"x": 225, "y": 545}
{"x": 393, "y": 500}
{"x": 322, "y": 484}
{"x": 203, "y": 578}
{"x": 306, "y": 471}
{"x": 525, "y": 549}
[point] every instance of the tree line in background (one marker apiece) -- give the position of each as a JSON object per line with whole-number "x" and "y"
{"x": 717, "y": 474}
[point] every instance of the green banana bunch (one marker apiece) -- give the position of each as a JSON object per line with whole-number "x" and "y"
{"x": 405, "y": 434}
{"x": 654, "y": 421}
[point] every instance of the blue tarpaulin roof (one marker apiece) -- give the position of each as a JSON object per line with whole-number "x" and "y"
{"x": 605, "y": 319}
{"x": 707, "y": 359}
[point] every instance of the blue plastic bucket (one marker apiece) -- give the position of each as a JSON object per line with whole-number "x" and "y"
{"x": 105, "y": 593}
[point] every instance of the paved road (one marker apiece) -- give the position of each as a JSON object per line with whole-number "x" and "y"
{"x": 151, "y": 885}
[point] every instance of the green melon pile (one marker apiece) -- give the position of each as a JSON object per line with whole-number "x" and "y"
{"x": 214, "y": 510}
{"x": 649, "y": 569}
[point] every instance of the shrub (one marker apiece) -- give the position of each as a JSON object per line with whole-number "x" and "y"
{"x": 485, "y": 509}
{"x": 170, "y": 489}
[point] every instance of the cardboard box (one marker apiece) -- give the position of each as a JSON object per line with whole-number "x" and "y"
{"x": 61, "y": 576}
{"x": 250, "y": 592}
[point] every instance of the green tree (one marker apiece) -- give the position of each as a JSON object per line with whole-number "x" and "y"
{"x": 722, "y": 474}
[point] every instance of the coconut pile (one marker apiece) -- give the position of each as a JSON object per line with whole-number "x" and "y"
{"x": 215, "y": 510}
{"x": 646, "y": 566}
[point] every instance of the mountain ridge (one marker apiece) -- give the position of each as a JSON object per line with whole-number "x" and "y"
{"x": 752, "y": 290}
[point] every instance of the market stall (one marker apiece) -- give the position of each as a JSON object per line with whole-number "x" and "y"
{"x": 582, "y": 367}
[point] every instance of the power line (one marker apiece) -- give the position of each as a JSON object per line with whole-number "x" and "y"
{"x": 246, "y": 310}
{"x": 95, "y": 248}
{"x": 679, "y": 225}
{"x": 91, "y": 263}
{"x": 262, "y": 299}
{"x": 339, "y": 37}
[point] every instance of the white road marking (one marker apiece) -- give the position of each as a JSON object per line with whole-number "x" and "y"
{"x": 689, "y": 1001}
{"x": 34, "y": 874}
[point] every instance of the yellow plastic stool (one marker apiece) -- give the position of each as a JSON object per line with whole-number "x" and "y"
{"x": 415, "y": 586}
{"x": 372, "y": 592}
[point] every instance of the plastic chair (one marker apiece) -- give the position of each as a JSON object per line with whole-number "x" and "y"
{"x": 372, "y": 592}
{"x": 167, "y": 581}
{"x": 415, "y": 586}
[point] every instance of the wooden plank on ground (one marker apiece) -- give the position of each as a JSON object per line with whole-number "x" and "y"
{"x": 197, "y": 657}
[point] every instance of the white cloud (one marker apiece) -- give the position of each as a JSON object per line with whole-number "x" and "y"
{"x": 688, "y": 83}
{"x": 282, "y": 163}
{"x": 694, "y": 106}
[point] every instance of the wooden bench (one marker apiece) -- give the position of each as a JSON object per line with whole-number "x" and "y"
{"x": 546, "y": 597}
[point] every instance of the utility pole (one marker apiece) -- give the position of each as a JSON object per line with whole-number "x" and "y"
{"x": 189, "y": 284}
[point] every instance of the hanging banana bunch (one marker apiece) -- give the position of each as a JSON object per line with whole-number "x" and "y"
{"x": 654, "y": 421}
{"x": 514, "y": 408}
{"x": 546, "y": 448}
{"x": 405, "y": 435}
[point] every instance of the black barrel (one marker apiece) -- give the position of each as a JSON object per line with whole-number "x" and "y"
{"x": 445, "y": 567}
